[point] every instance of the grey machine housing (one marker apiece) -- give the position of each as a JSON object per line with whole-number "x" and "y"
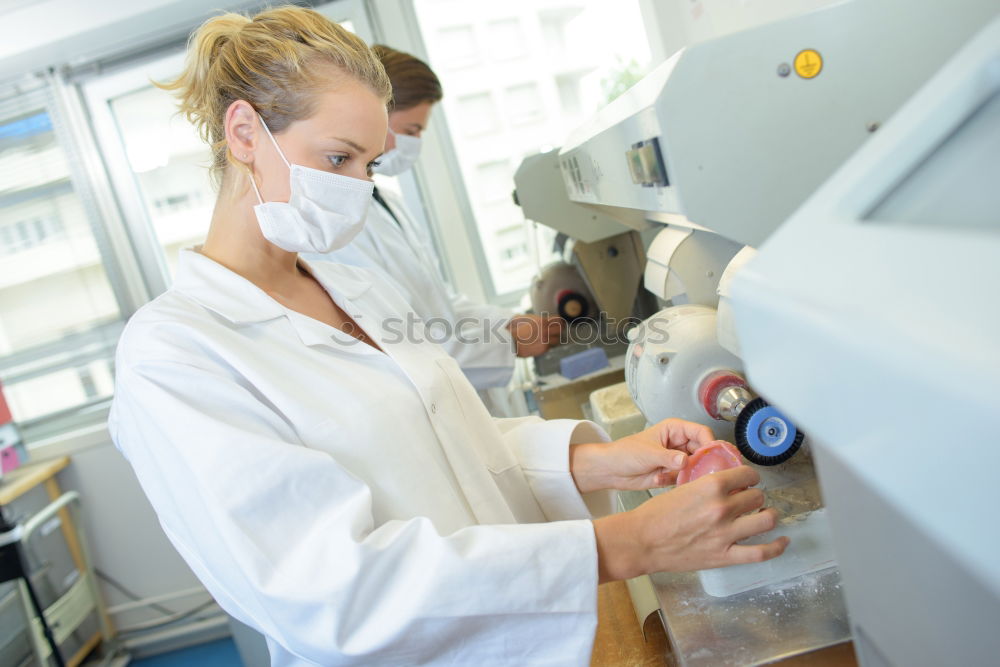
{"x": 718, "y": 137}
{"x": 727, "y": 137}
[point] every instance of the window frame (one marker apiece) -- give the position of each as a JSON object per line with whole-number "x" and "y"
{"x": 436, "y": 186}
{"x": 86, "y": 180}
{"x": 101, "y": 88}
{"x": 98, "y": 93}
{"x": 440, "y": 187}
{"x": 130, "y": 252}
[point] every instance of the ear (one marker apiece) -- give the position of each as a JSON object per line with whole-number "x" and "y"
{"x": 242, "y": 130}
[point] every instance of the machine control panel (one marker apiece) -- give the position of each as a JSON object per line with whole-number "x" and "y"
{"x": 645, "y": 164}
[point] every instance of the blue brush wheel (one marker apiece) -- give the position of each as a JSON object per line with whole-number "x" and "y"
{"x": 765, "y": 436}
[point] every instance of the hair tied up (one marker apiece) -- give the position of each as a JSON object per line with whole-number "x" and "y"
{"x": 275, "y": 62}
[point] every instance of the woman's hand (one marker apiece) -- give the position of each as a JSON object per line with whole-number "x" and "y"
{"x": 646, "y": 460}
{"x": 534, "y": 335}
{"x": 692, "y": 527}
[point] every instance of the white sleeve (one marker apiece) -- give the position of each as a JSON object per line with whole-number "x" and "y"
{"x": 283, "y": 537}
{"x": 542, "y": 448}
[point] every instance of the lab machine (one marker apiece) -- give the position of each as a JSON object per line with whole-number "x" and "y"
{"x": 891, "y": 364}
{"x": 847, "y": 344}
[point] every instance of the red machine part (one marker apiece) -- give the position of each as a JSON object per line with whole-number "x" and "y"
{"x": 714, "y": 384}
{"x": 571, "y": 304}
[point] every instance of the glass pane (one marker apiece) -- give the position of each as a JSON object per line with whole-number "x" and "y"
{"x": 170, "y": 162}
{"x": 517, "y": 77}
{"x": 59, "y": 317}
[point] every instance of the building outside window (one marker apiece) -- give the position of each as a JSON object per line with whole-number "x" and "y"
{"x": 517, "y": 77}
{"x": 169, "y": 164}
{"x": 101, "y": 184}
{"x": 59, "y": 316}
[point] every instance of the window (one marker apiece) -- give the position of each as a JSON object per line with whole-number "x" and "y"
{"x": 478, "y": 114}
{"x": 524, "y": 104}
{"x": 513, "y": 249}
{"x": 81, "y": 246}
{"x": 59, "y": 315}
{"x": 168, "y": 160}
{"x": 492, "y": 181}
{"x": 459, "y": 42}
{"x": 568, "y": 86}
{"x": 158, "y": 164}
{"x": 506, "y": 39}
{"x": 547, "y": 66}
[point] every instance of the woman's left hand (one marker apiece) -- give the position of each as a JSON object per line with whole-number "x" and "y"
{"x": 646, "y": 460}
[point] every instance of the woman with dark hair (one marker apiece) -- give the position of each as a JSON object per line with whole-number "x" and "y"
{"x": 482, "y": 338}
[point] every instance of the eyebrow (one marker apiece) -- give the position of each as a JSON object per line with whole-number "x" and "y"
{"x": 350, "y": 143}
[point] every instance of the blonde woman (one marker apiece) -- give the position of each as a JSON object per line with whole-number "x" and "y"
{"x": 340, "y": 490}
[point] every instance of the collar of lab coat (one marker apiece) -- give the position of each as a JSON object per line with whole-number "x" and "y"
{"x": 237, "y": 299}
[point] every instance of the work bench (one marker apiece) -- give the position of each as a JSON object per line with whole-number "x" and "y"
{"x": 799, "y": 622}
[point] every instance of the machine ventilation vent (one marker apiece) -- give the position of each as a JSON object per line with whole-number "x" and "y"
{"x": 571, "y": 168}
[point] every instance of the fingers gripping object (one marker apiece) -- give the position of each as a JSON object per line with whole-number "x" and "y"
{"x": 765, "y": 436}
{"x": 713, "y": 457}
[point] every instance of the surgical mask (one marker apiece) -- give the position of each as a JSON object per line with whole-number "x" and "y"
{"x": 324, "y": 212}
{"x": 401, "y": 158}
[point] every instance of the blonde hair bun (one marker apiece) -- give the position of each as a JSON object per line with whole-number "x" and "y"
{"x": 274, "y": 61}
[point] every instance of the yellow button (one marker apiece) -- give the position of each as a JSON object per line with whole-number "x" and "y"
{"x": 808, "y": 63}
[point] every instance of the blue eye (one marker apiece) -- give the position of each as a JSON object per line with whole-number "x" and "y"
{"x": 338, "y": 160}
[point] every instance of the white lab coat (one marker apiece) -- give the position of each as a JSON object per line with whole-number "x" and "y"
{"x": 357, "y": 508}
{"x": 404, "y": 252}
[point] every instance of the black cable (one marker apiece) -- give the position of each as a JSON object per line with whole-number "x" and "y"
{"x": 13, "y": 566}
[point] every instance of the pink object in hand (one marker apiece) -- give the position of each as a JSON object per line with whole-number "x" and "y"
{"x": 713, "y": 457}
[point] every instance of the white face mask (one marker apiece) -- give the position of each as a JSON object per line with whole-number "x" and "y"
{"x": 324, "y": 212}
{"x": 401, "y": 158}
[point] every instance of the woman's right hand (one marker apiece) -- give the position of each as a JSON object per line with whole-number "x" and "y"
{"x": 533, "y": 334}
{"x": 695, "y": 526}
